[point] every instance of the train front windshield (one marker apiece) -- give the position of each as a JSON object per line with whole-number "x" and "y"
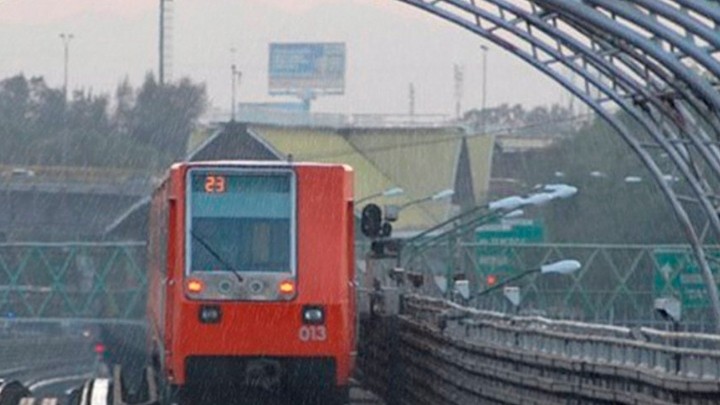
{"x": 240, "y": 221}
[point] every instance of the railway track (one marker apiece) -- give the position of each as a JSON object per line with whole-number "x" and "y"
{"x": 108, "y": 391}
{"x": 68, "y": 372}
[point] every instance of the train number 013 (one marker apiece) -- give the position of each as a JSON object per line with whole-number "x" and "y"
{"x": 312, "y": 333}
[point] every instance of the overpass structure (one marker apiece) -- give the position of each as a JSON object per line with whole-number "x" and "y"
{"x": 51, "y": 204}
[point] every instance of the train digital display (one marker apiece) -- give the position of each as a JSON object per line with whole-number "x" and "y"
{"x": 237, "y": 183}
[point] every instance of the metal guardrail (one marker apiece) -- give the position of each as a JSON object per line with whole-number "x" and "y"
{"x": 85, "y": 174}
{"x": 599, "y": 344}
{"x": 440, "y": 352}
{"x": 15, "y": 353}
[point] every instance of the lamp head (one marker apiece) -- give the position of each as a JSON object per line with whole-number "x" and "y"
{"x": 561, "y": 267}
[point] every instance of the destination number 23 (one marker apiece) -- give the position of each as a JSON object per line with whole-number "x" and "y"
{"x": 215, "y": 184}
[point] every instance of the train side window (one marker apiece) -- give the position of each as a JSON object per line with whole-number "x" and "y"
{"x": 164, "y": 229}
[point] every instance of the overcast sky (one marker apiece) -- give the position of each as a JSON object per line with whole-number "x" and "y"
{"x": 389, "y": 45}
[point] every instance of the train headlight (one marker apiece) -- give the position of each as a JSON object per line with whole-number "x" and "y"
{"x": 195, "y": 286}
{"x": 210, "y": 314}
{"x": 313, "y": 315}
{"x": 287, "y": 287}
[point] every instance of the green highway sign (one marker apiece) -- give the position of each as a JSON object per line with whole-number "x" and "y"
{"x": 497, "y": 260}
{"x": 678, "y": 275}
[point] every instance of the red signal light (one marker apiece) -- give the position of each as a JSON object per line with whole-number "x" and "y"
{"x": 491, "y": 280}
{"x": 99, "y": 348}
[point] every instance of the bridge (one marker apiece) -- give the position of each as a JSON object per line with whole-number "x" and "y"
{"x": 433, "y": 328}
{"x": 61, "y": 203}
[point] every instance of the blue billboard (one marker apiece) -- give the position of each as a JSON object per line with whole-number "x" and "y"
{"x": 307, "y": 67}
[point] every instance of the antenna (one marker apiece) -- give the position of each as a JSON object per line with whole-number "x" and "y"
{"x": 411, "y": 99}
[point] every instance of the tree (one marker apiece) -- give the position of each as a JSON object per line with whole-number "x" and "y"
{"x": 543, "y": 121}
{"x": 148, "y": 127}
{"x": 164, "y": 116}
{"x": 607, "y": 208}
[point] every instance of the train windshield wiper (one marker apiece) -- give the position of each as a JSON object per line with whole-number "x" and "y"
{"x": 217, "y": 256}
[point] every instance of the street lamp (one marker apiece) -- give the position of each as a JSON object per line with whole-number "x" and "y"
{"x": 559, "y": 267}
{"x": 66, "y": 38}
{"x": 440, "y": 195}
{"x": 550, "y": 192}
{"x": 485, "y": 50}
{"x": 390, "y": 192}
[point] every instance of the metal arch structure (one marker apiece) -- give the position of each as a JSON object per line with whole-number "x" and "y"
{"x": 654, "y": 59}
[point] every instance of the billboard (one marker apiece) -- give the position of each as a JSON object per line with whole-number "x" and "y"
{"x": 302, "y": 68}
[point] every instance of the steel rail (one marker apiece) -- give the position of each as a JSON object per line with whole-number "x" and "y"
{"x": 634, "y": 144}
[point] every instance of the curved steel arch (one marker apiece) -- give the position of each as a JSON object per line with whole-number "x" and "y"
{"x": 703, "y": 7}
{"x": 696, "y": 135}
{"x": 644, "y": 14}
{"x": 619, "y": 78}
{"x": 510, "y": 17}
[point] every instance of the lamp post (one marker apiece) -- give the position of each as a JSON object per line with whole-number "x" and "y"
{"x": 504, "y": 207}
{"x": 485, "y": 50}
{"x": 390, "y": 192}
{"x": 559, "y": 267}
{"x": 236, "y": 77}
{"x": 66, "y": 39}
{"x": 440, "y": 195}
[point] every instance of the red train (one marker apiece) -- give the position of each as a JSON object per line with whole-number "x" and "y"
{"x": 251, "y": 272}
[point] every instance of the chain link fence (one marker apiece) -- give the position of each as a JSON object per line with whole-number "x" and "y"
{"x": 72, "y": 280}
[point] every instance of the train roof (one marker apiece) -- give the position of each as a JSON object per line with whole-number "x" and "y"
{"x": 259, "y": 163}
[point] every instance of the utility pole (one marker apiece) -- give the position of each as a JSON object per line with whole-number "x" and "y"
{"x": 66, "y": 39}
{"x": 164, "y": 44}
